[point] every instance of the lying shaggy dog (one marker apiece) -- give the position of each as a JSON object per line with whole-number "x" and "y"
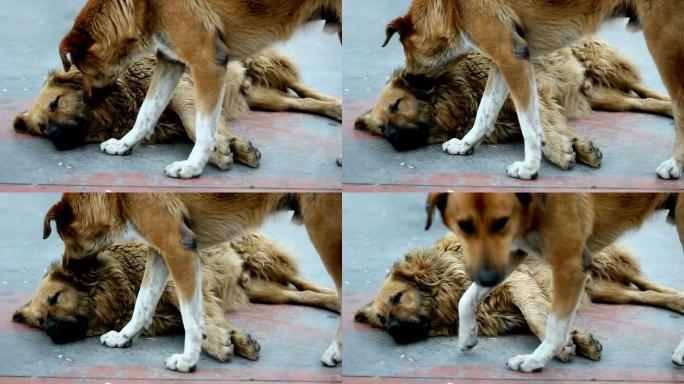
{"x": 419, "y": 298}
{"x": 415, "y": 110}
{"x": 93, "y": 296}
{"x": 268, "y": 81}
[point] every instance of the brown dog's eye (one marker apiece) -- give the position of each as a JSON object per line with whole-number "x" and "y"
{"x": 467, "y": 226}
{"x": 54, "y": 104}
{"x": 499, "y": 224}
{"x": 394, "y": 107}
{"x": 52, "y": 300}
{"x": 396, "y": 299}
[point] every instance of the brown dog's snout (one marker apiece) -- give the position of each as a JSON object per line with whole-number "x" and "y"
{"x": 487, "y": 276}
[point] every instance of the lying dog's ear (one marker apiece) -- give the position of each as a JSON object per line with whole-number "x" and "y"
{"x": 74, "y": 46}
{"x": 70, "y": 79}
{"x": 438, "y": 200}
{"x": 422, "y": 84}
{"x": 401, "y": 25}
{"x": 61, "y": 213}
{"x": 420, "y": 273}
{"x": 363, "y": 314}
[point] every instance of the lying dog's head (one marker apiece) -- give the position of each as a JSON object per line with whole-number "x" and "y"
{"x": 428, "y": 35}
{"x": 102, "y": 44}
{"x": 403, "y": 112}
{"x": 86, "y": 222}
{"x": 489, "y": 225}
{"x": 59, "y": 111}
{"x": 419, "y": 297}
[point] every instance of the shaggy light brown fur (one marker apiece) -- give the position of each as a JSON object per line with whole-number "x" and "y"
{"x": 416, "y": 109}
{"x": 427, "y": 285}
{"x": 268, "y": 81}
{"x": 90, "y": 297}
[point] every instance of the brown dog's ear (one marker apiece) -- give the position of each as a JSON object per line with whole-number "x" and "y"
{"x": 401, "y": 25}
{"x": 363, "y": 315}
{"x": 61, "y": 213}
{"x": 74, "y": 46}
{"x": 438, "y": 200}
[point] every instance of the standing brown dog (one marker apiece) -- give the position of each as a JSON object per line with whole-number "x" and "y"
{"x": 174, "y": 226}
{"x": 204, "y": 35}
{"x": 513, "y": 31}
{"x": 499, "y": 230}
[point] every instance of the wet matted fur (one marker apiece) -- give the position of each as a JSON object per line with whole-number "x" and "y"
{"x": 416, "y": 109}
{"x": 267, "y": 81}
{"x": 92, "y": 296}
{"x": 419, "y": 298}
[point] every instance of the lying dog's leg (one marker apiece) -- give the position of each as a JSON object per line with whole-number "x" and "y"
{"x": 304, "y": 91}
{"x": 605, "y": 99}
{"x": 268, "y": 99}
{"x": 467, "y": 307}
{"x": 523, "y": 87}
{"x": 209, "y": 81}
{"x": 493, "y": 99}
{"x": 612, "y": 292}
{"x": 166, "y": 76}
{"x": 273, "y": 293}
{"x": 303, "y": 284}
{"x": 151, "y": 289}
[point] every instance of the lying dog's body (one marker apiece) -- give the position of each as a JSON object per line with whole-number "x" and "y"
{"x": 512, "y": 32}
{"x": 93, "y": 296}
{"x": 174, "y": 226}
{"x": 415, "y": 109}
{"x": 265, "y": 81}
{"x": 419, "y": 297}
{"x": 499, "y": 230}
{"x": 202, "y": 35}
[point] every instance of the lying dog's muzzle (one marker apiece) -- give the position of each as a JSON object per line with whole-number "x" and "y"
{"x": 66, "y": 331}
{"x": 406, "y": 139}
{"x": 65, "y": 137}
{"x": 408, "y": 331}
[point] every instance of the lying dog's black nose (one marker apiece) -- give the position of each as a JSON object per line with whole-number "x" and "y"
{"x": 66, "y": 331}
{"x": 65, "y": 137}
{"x": 51, "y": 326}
{"x": 488, "y": 277}
{"x": 408, "y": 331}
{"x": 406, "y": 139}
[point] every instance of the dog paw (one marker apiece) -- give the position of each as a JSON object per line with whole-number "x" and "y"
{"x": 523, "y": 171}
{"x": 560, "y": 152}
{"x": 588, "y": 153}
{"x": 115, "y": 147}
{"x": 525, "y": 363}
{"x": 678, "y": 355}
{"x": 114, "y": 339}
{"x": 222, "y": 156}
{"x": 219, "y": 346}
{"x": 181, "y": 363}
{"x": 458, "y": 147}
{"x": 669, "y": 170}
{"x": 245, "y": 152}
{"x": 183, "y": 170}
{"x": 246, "y": 346}
{"x": 566, "y": 353}
{"x": 467, "y": 336}
{"x": 587, "y": 345}
{"x": 333, "y": 355}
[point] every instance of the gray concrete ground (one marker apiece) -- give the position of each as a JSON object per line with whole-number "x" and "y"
{"x": 299, "y": 150}
{"x": 380, "y": 228}
{"x": 633, "y": 144}
{"x": 292, "y": 338}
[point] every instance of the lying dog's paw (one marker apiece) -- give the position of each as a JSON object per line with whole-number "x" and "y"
{"x": 669, "y": 170}
{"x": 560, "y": 152}
{"x": 458, "y": 147}
{"x": 588, "y": 153}
{"x": 181, "y": 363}
{"x": 333, "y": 355}
{"x": 219, "y": 346}
{"x": 521, "y": 170}
{"x": 525, "y": 363}
{"x": 222, "y": 156}
{"x": 183, "y": 170}
{"x": 587, "y": 345}
{"x": 114, "y": 339}
{"x": 567, "y": 353}
{"x": 245, "y": 345}
{"x": 115, "y": 147}
{"x": 245, "y": 152}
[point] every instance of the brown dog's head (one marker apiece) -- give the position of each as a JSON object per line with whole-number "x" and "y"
{"x": 489, "y": 224}
{"x": 428, "y": 35}
{"x": 103, "y": 42}
{"x": 59, "y": 112}
{"x": 419, "y": 297}
{"x": 86, "y": 222}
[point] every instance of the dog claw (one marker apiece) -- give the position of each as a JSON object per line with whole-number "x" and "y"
{"x": 332, "y": 356}
{"x": 525, "y": 363}
{"x": 116, "y": 147}
{"x": 669, "y": 170}
{"x": 458, "y": 147}
{"x": 181, "y": 363}
{"x": 115, "y": 339}
{"x": 523, "y": 171}
{"x": 183, "y": 170}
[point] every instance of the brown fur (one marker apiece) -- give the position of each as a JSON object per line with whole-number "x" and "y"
{"x": 98, "y": 294}
{"x": 416, "y": 109}
{"x": 430, "y": 283}
{"x": 511, "y": 31}
{"x": 264, "y": 82}
{"x": 175, "y": 224}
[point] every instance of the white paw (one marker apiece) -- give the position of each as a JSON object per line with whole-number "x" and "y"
{"x": 115, "y": 147}
{"x": 669, "y": 170}
{"x": 183, "y": 170}
{"x": 458, "y": 147}
{"x": 181, "y": 363}
{"x": 525, "y": 363}
{"x": 523, "y": 171}
{"x": 114, "y": 339}
{"x": 678, "y": 356}
{"x": 332, "y": 356}
{"x": 467, "y": 338}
